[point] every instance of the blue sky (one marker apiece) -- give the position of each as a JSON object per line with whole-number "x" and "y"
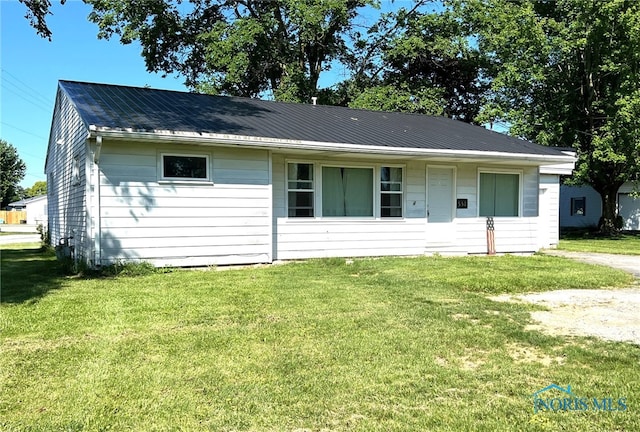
{"x": 31, "y": 67}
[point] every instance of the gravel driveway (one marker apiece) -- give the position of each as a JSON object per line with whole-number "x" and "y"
{"x": 610, "y": 314}
{"x": 628, "y": 263}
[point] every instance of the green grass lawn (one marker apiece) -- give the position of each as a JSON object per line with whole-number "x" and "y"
{"x": 625, "y": 244}
{"x": 377, "y": 345}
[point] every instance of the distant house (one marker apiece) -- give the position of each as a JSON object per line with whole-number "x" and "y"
{"x": 36, "y": 208}
{"x": 581, "y": 207}
{"x": 187, "y": 179}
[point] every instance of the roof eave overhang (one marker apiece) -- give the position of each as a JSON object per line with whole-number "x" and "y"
{"x": 316, "y": 146}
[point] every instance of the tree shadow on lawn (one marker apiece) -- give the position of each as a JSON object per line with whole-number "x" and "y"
{"x": 28, "y": 274}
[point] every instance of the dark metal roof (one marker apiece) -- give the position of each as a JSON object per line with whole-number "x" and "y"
{"x": 143, "y": 109}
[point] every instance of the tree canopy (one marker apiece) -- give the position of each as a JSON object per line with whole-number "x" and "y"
{"x": 425, "y": 63}
{"x": 37, "y": 11}
{"x": 237, "y": 47}
{"x": 567, "y": 73}
{"x": 38, "y": 188}
{"x": 12, "y": 170}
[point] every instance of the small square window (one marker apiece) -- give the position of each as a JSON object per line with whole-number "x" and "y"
{"x": 578, "y": 206}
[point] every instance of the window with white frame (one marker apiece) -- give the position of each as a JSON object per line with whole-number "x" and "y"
{"x": 390, "y": 192}
{"x": 344, "y": 191}
{"x": 499, "y": 194}
{"x": 185, "y": 167}
{"x": 300, "y": 189}
{"x": 347, "y": 191}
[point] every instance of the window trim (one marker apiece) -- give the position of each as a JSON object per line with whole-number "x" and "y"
{"x": 401, "y": 192}
{"x": 349, "y": 165}
{"x": 208, "y": 180}
{"x": 584, "y": 207}
{"x": 518, "y": 172}
{"x": 317, "y": 189}
{"x": 313, "y": 189}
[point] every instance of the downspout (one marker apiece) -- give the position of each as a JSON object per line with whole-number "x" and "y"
{"x": 95, "y": 179}
{"x": 96, "y": 155}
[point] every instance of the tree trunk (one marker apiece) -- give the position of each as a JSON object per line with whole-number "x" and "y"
{"x": 609, "y": 210}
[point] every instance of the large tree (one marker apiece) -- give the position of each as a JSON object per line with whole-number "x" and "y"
{"x": 12, "y": 170}
{"x": 421, "y": 61}
{"x": 567, "y": 73}
{"x": 237, "y": 47}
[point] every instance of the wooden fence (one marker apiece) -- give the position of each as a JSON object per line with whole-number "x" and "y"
{"x": 13, "y": 217}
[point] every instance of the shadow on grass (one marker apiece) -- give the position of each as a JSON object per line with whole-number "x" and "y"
{"x": 28, "y": 274}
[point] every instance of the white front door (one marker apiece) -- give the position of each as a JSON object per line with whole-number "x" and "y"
{"x": 440, "y": 199}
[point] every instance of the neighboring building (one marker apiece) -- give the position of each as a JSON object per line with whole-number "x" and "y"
{"x": 187, "y": 179}
{"x": 581, "y": 207}
{"x": 36, "y": 208}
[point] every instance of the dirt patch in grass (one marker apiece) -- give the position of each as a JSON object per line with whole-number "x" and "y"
{"x": 606, "y": 314}
{"x": 528, "y": 354}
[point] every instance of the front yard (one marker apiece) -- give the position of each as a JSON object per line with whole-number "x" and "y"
{"x": 625, "y": 244}
{"x": 376, "y": 344}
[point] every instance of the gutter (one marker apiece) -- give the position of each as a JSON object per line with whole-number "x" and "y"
{"x": 286, "y": 144}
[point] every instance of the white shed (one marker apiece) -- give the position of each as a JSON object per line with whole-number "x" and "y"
{"x": 36, "y": 208}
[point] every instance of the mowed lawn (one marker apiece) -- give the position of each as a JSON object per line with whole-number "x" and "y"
{"x": 626, "y": 244}
{"x": 402, "y": 344}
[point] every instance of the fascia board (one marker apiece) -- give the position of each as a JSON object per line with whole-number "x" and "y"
{"x": 284, "y": 144}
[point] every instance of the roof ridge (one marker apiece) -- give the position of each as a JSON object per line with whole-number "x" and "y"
{"x": 259, "y": 100}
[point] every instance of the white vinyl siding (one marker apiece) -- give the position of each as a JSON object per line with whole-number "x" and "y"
{"x": 296, "y": 238}
{"x": 512, "y": 235}
{"x": 227, "y": 222}
{"x": 350, "y": 236}
{"x": 66, "y": 175}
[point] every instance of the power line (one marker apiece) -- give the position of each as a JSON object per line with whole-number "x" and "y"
{"x": 34, "y": 93}
{"x": 24, "y": 131}
{"x": 26, "y": 98}
{"x": 38, "y": 176}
